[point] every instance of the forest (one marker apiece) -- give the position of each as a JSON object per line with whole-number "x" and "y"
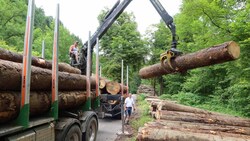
{"x": 199, "y": 24}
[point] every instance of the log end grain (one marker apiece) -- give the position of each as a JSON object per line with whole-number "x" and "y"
{"x": 113, "y": 87}
{"x": 233, "y": 49}
{"x": 102, "y": 83}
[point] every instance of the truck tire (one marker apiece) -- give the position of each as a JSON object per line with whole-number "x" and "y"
{"x": 74, "y": 134}
{"x": 91, "y": 130}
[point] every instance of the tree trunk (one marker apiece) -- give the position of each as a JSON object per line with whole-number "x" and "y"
{"x": 40, "y": 102}
{"x": 172, "y": 106}
{"x": 154, "y": 85}
{"x": 39, "y": 62}
{"x": 202, "y": 118}
{"x": 161, "y": 85}
{"x": 200, "y": 127}
{"x": 214, "y": 55}
{"x": 167, "y": 134}
{"x": 11, "y": 75}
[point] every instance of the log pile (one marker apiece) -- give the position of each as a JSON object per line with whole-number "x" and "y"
{"x": 108, "y": 87}
{"x": 71, "y": 86}
{"x": 225, "y": 52}
{"x": 146, "y": 89}
{"x": 111, "y": 87}
{"x": 184, "y": 123}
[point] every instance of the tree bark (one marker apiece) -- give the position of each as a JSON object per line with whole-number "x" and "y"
{"x": 214, "y": 55}
{"x": 202, "y": 118}
{"x": 11, "y": 75}
{"x": 39, "y": 62}
{"x": 172, "y": 106}
{"x": 200, "y": 127}
{"x": 40, "y": 102}
{"x": 167, "y": 134}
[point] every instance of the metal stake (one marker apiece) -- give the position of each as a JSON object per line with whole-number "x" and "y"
{"x": 122, "y": 108}
{"x": 87, "y": 105}
{"x": 127, "y": 82}
{"x": 54, "y": 107}
{"x": 43, "y": 49}
{"x": 23, "y": 117}
{"x": 97, "y": 101}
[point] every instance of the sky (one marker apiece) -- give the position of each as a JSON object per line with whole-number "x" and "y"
{"x": 80, "y": 16}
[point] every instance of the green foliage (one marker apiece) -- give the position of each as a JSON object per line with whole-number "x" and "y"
{"x": 13, "y": 24}
{"x": 122, "y": 42}
{"x": 200, "y": 24}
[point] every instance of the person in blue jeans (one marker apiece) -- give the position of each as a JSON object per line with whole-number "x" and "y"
{"x": 129, "y": 105}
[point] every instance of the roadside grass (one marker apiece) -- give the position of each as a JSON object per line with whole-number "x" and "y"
{"x": 143, "y": 110}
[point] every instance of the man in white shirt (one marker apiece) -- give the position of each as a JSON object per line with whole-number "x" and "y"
{"x": 128, "y": 105}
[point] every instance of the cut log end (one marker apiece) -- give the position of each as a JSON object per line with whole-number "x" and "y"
{"x": 113, "y": 87}
{"x": 233, "y": 49}
{"x": 102, "y": 83}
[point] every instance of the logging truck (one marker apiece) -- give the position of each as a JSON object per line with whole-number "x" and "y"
{"x": 49, "y": 104}
{"x": 39, "y": 101}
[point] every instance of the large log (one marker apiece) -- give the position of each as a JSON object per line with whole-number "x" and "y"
{"x": 39, "y": 62}
{"x": 174, "y": 134}
{"x": 113, "y": 87}
{"x": 172, "y": 106}
{"x": 202, "y": 118}
{"x": 103, "y": 83}
{"x": 214, "y": 55}
{"x": 40, "y": 102}
{"x": 11, "y": 72}
{"x": 200, "y": 127}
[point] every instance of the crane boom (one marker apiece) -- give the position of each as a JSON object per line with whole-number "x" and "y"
{"x": 110, "y": 18}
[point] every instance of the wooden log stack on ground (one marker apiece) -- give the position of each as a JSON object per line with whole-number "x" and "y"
{"x": 71, "y": 86}
{"x": 184, "y": 123}
{"x": 225, "y": 52}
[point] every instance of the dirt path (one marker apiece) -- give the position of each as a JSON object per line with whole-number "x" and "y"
{"x": 133, "y": 133}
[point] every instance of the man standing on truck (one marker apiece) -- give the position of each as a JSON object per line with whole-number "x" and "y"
{"x": 128, "y": 105}
{"x": 73, "y": 51}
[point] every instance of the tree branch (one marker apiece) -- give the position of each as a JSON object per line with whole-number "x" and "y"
{"x": 213, "y": 22}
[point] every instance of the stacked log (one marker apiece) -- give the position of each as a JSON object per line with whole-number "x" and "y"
{"x": 11, "y": 75}
{"x": 111, "y": 87}
{"x": 38, "y": 62}
{"x": 40, "y": 102}
{"x": 146, "y": 89}
{"x": 71, "y": 86}
{"x": 184, "y": 123}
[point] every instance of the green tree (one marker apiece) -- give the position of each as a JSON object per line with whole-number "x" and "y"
{"x": 122, "y": 42}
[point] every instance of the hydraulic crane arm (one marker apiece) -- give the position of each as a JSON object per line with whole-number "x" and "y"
{"x": 173, "y": 52}
{"x": 167, "y": 19}
{"x": 109, "y": 19}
